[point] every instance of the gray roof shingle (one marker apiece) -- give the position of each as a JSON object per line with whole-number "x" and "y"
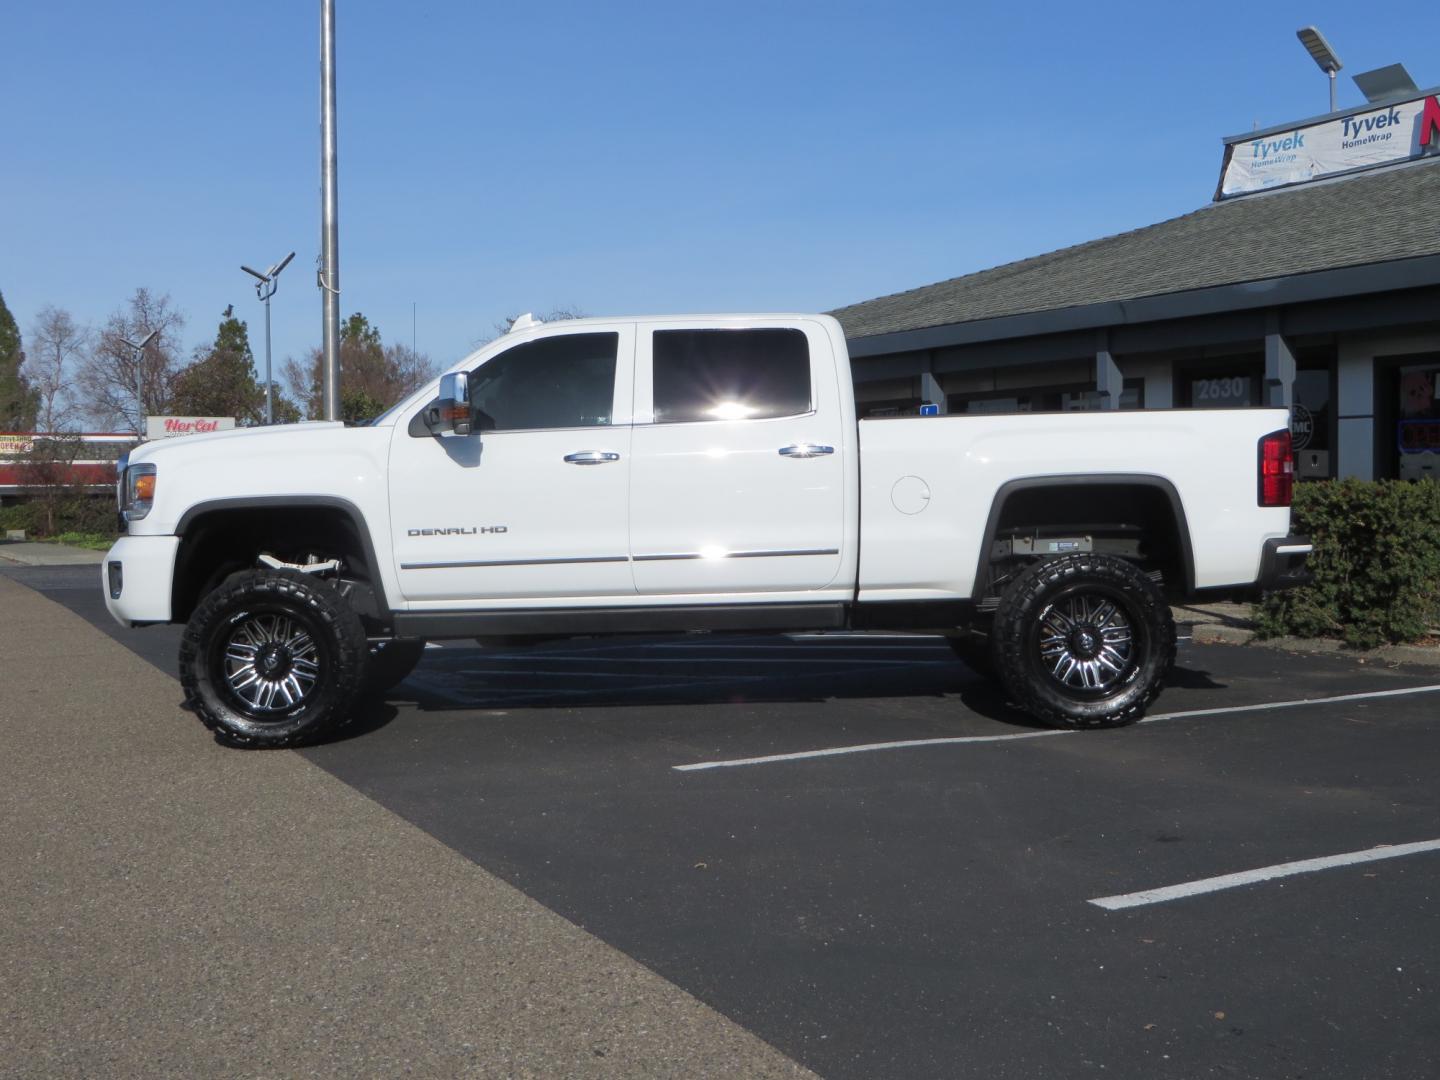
{"x": 1366, "y": 218}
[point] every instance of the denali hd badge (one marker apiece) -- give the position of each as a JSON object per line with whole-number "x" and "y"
{"x": 470, "y": 531}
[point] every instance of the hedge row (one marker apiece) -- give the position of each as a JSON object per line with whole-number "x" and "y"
{"x": 1376, "y": 564}
{"x": 93, "y": 514}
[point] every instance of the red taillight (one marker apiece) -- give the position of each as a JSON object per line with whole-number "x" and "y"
{"x": 1277, "y": 469}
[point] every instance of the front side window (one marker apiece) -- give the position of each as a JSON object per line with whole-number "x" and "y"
{"x": 730, "y": 374}
{"x": 557, "y": 382}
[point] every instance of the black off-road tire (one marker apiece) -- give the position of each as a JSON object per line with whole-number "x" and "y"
{"x": 318, "y": 638}
{"x": 1039, "y": 603}
{"x": 391, "y": 661}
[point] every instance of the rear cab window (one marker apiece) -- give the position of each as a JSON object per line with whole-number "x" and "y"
{"x": 722, "y": 374}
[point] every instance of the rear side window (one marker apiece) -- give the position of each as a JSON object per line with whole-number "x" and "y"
{"x": 557, "y": 382}
{"x": 730, "y": 374}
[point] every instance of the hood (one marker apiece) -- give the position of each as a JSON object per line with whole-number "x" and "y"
{"x": 254, "y": 437}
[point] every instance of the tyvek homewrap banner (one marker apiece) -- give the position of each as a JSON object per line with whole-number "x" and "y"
{"x": 1383, "y": 135}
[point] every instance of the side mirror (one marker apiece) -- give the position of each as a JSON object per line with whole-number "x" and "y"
{"x": 451, "y": 414}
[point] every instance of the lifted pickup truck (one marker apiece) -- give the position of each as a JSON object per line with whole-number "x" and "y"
{"x": 646, "y": 475}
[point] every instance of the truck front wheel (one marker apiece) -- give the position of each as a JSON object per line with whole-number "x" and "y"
{"x": 1083, "y": 641}
{"x": 272, "y": 658}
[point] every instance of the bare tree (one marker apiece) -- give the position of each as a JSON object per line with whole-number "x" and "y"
{"x": 57, "y": 345}
{"x": 119, "y": 391}
{"x": 373, "y": 376}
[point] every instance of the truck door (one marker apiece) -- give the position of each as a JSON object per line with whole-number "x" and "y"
{"x": 534, "y": 503}
{"x": 738, "y": 461}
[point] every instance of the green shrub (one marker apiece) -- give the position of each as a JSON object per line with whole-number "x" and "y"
{"x": 15, "y": 516}
{"x": 1376, "y": 563}
{"x": 91, "y": 514}
{"x": 94, "y": 514}
{"x": 93, "y": 541}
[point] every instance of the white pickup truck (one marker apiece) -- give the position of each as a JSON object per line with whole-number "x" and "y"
{"x": 650, "y": 475}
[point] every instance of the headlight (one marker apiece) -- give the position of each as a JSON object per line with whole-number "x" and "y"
{"x": 137, "y": 491}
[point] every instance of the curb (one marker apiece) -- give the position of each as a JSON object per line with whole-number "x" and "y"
{"x": 1423, "y": 655}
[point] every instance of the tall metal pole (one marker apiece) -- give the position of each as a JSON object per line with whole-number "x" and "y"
{"x": 329, "y": 218}
{"x": 265, "y": 286}
{"x": 137, "y": 353}
{"x": 269, "y": 385}
{"x": 1331, "y": 73}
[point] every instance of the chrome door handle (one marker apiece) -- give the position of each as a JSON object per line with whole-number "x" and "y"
{"x": 805, "y": 450}
{"x": 592, "y": 457}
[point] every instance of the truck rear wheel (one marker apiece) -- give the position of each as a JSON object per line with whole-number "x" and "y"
{"x": 272, "y": 658}
{"x": 1083, "y": 641}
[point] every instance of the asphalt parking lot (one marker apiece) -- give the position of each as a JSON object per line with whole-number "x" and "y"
{"x": 853, "y": 849}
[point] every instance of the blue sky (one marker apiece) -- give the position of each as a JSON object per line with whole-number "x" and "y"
{"x": 621, "y": 158}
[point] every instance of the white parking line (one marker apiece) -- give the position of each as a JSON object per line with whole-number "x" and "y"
{"x": 835, "y": 751}
{"x": 1264, "y": 873}
{"x": 1293, "y": 704}
{"x": 863, "y": 748}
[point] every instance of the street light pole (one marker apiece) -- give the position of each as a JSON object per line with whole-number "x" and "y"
{"x": 1323, "y": 55}
{"x": 265, "y": 286}
{"x": 137, "y": 356}
{"x": 329, "y": 274}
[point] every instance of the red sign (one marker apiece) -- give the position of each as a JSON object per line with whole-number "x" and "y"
{"x": 167, "y": 427}
{"x": 1430, "y": 121}
{"x": 189, "y": 427}
{"x": 1417, "y": 436}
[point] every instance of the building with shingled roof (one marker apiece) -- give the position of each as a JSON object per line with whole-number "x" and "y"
{"x": 1312, "y": 281}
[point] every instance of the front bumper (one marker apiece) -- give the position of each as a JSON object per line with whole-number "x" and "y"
{"x": 136, "y": 576}
{"x": 1282, "y": 563}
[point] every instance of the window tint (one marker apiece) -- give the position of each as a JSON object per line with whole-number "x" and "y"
{"x": 558, "y": 382}
{"x": 730, "y": 374}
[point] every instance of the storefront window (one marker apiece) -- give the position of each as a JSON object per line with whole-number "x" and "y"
{"x": 1227, "y": 391}
{"x": 1045, "y": 399}
{"x": 1131, "y": 397}
{"x": 1310, "y": 424}
{"x": 1417, "y": 429}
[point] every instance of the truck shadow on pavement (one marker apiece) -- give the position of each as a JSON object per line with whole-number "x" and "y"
{"x": 667, "y": 673}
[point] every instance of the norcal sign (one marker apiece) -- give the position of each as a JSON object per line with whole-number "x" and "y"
{"x": 1382, "y": 136}
{"x": 167, "y": 427}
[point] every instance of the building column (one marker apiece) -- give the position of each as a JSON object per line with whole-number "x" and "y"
{"x": 930, "y": 388}
{"x": 1279, "y": 366}
{"x": 1355, "y": 407}
{"x": 1109, "y": 382}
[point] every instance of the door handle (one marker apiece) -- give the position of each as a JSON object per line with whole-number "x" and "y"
{"x": 805, "y": 450}
{"x": 592, "y": 457}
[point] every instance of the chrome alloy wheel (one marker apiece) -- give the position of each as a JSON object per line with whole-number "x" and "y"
{"x": 1086, "y": 642}
{"x": 271, "y": 663}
